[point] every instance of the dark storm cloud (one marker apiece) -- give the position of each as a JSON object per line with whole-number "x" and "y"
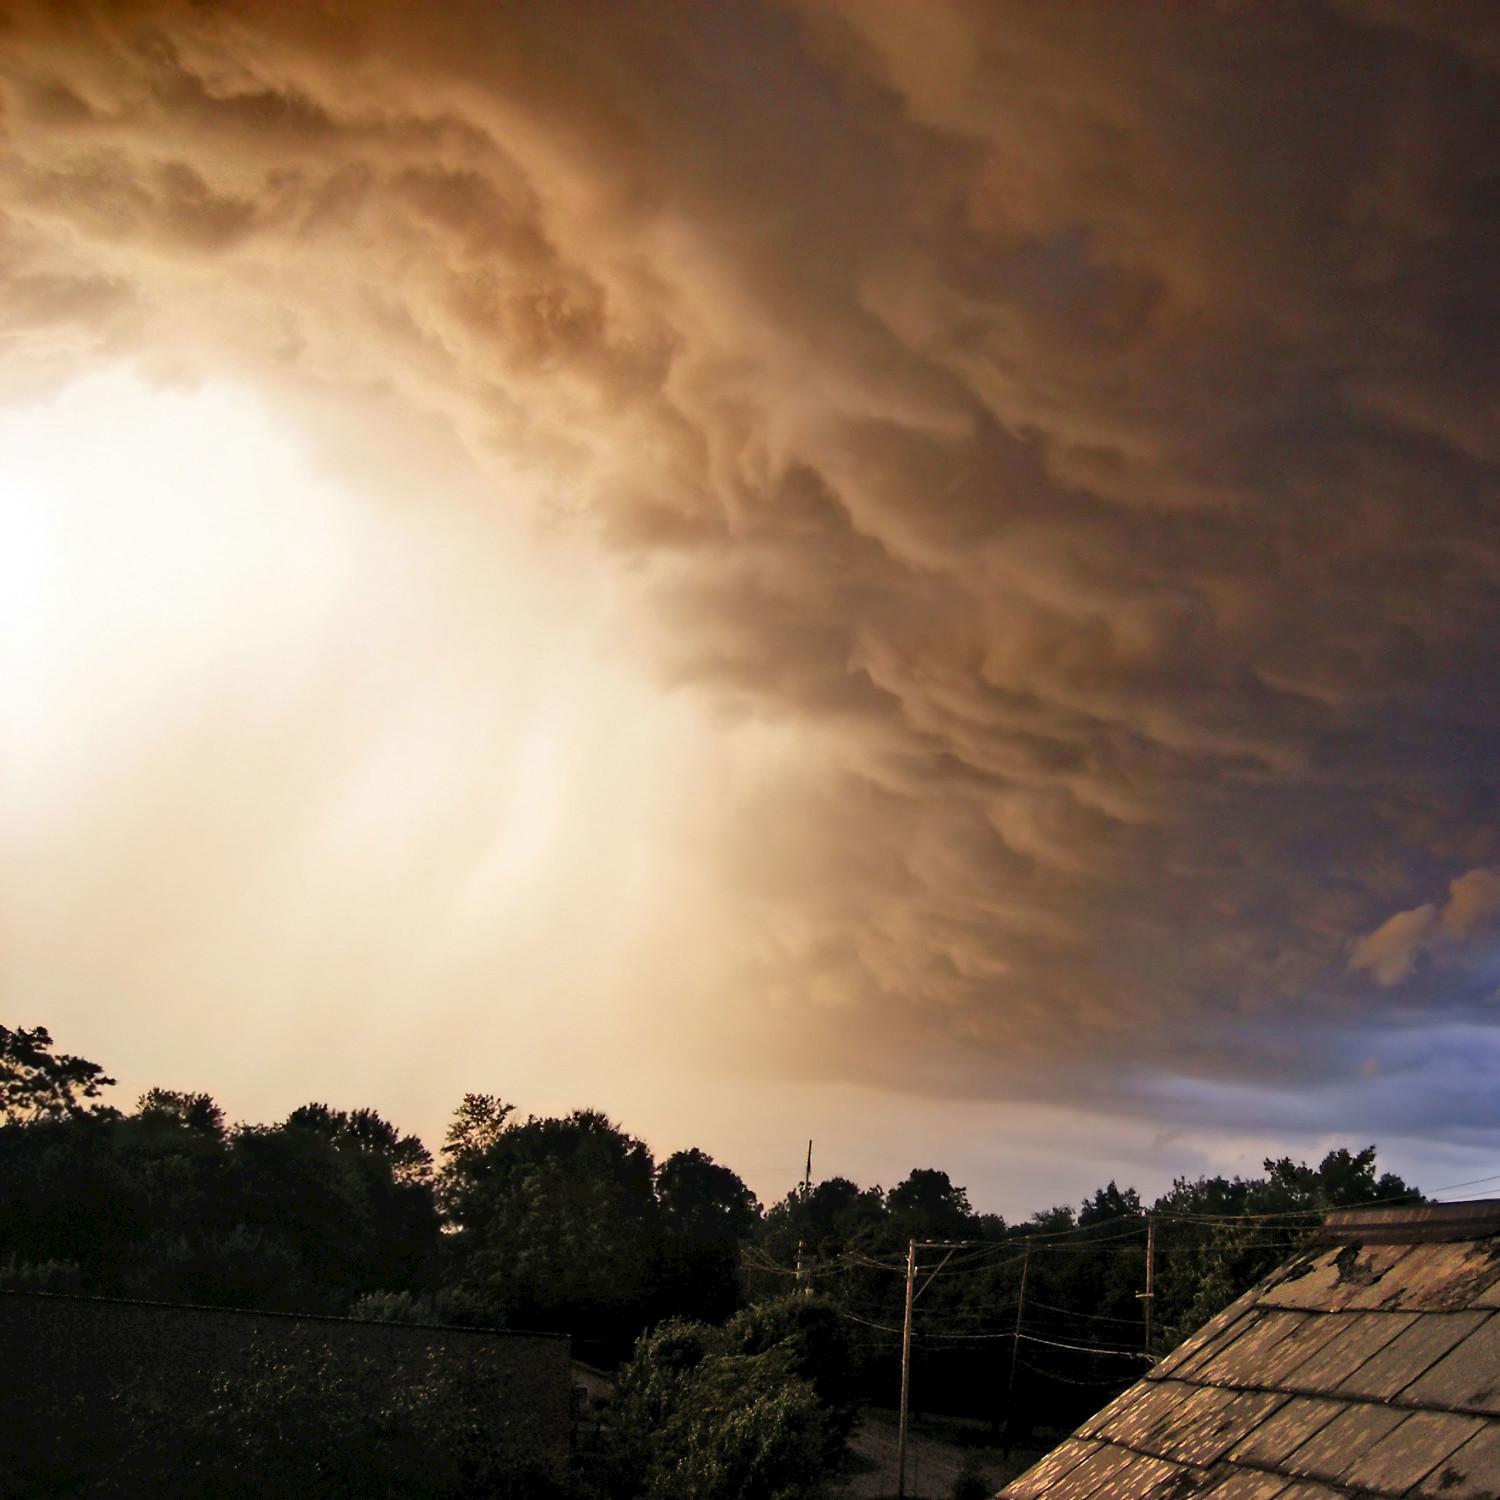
{"x": 1081, "y": 419}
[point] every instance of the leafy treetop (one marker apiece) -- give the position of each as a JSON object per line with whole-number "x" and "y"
{"x": 478, "y": 1123}
{"x": 366, "y": 1130}
{"x": 37, "y": 1083}
{"x": 699, "y": 1197}
{"x": 195, "y": 1111}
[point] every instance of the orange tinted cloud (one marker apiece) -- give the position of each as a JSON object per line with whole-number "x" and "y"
{"x": 1078, "y": 420}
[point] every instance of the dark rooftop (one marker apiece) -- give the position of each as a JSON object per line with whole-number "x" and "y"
{"x": 1367, "y": 1365}
{"x": 1413, "y": 1224}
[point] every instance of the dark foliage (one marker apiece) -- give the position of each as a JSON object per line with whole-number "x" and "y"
{"x": 304, "y": 1424}
{"x": 704, "y": 1215}
{"x": 568, "y": 1224}
{"x": 1078, "y": 1336}
{"x": 167, "y": 1204}
{"x": 722, "y": 1414}
{"x": 37, "y": 1083}
{"x": 815, "y": 1336}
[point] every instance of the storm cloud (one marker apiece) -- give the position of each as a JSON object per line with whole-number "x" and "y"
{"x": 1081, "y": 422}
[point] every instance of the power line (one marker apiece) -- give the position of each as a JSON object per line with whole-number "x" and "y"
{"x": 919, "y": 1334}
{"x": 1115, "y": 1351}
{"x": 1065, "y": 1380}
{"x": 1095, "y": 1317}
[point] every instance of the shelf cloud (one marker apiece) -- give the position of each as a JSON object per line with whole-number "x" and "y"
{"x": 1077, "y": 425}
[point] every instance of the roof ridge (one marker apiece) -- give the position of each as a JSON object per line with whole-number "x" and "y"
{"x": 1475, "y": 1218}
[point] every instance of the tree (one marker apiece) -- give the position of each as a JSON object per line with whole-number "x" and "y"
{"x": 356, "y": 1215}
{"x": 932, "y": 1205}
{"x": 705, "y": 1414}
{"x": 555, "y": 1218}
{"x": 37, "y": 1083}
{"x": 818, "y": 1348}
{"x": 478, "y": 1123}
{"x": 1215, "y": 1259}
{"x": 1343, "y": 1179}
{"x": 365, "y": 1130}
{"x": 1110, "y": 1203}
{"x": 704, "y": 1215}
{"x": 836, "y": 1214}
{"x": 195, "y": 1111}
{"x": 701, "y": 1200}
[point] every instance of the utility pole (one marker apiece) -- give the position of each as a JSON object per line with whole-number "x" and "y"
{"x": 912, "y": 1293}
{"x": 1015, "y": 1351}
{"x": 1149, "y": 1295}
{"x": 807, "y": 1175}
{"x": 911, "y": 1271}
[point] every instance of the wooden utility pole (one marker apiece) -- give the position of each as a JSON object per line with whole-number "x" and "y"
{"x": 1015, "y": 1350}
{"x": 911, "y": 1271}
{"x": 1149, "y": 1295}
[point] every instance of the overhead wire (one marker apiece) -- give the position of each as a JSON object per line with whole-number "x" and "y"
{"x": 1114, "y": 1350}
{"x": 1076, "y": 1239}
{"x": 1024, "y": 1364}
{"x": 1074, "y": 1313}
{"x": 996, "y": 1255}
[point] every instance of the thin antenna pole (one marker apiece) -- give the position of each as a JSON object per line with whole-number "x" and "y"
{"x": 1015, "y": 1351}
{"x": 804, "y": 1278}
{"x": 911, "y": 1271}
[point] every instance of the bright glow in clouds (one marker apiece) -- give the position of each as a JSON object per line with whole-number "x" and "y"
{"x": 794, "y": 562}
{"x": 146, "y": 538}
{"x": 310, "y": 794}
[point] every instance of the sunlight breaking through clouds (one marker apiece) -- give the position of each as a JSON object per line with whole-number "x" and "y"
{"x": 944, "y": 548}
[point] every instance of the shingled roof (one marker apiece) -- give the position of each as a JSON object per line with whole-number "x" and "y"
{"x": 1367, "y": 1365}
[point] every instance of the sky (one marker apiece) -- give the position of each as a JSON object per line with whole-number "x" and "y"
{"x": 923, "y": 577}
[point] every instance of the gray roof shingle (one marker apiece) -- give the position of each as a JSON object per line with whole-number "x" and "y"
{"x": 1370, "y": 1367}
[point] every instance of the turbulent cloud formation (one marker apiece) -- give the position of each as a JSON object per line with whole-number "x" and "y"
{"x": 1399, "y": 944}
{"x": 1081, "y": 420}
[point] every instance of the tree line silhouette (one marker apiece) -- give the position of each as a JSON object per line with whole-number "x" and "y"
{"x": 670, "y": 1270}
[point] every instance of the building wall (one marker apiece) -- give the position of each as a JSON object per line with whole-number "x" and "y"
{"x": 65, "y": 1361}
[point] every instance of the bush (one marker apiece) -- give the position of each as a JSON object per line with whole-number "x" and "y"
{"x": 816, "y": 1339}
{"x": 64, "y": 1276}
{"x": 308, "y": 1424}
{"x": 970, "y": 1485}
{"x": 699, "y": 1416}
{"x": 454, "y": 1307}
